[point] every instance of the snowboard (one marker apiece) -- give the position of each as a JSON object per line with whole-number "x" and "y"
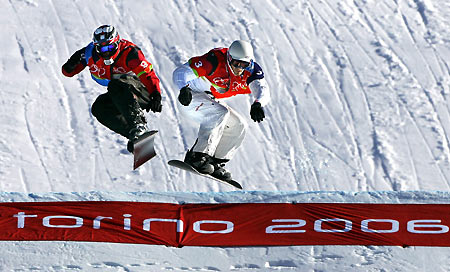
{"x": 187, "y": 167}
{"x": 144, "y": 148}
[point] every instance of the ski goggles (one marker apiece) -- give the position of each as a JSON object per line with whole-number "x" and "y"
{"x": 106, "y": 48}
{"x": 240, "y": 64}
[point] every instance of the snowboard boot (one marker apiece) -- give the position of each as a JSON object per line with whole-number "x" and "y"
{"x": 134, "y": 135}
{"x": 137, "y": 123}
{"x": 219, "y": 171}
{"x": 200, "y": 161}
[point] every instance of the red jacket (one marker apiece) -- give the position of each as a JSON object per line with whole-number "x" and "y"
{"x": 129, "y": 59}
{"x": 213, "y": 66}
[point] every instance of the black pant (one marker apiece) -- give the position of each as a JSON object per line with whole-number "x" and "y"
{"x": 118, "y": 109}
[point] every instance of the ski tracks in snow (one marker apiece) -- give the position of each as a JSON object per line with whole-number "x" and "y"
{"x": 393, "y": 84}
{"x": 416, "y": 80}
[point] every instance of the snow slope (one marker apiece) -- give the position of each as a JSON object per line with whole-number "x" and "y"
{"x": 360, "y": 102}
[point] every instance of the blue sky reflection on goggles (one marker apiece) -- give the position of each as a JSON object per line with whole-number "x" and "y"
{"x": 107, "y": 48}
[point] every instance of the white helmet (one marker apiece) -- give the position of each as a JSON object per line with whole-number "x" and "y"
{"x": 241, "y": 50}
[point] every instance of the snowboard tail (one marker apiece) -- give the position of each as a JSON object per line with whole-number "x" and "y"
{"x": 184, "y": 166}
{"x": 144, "y": 148}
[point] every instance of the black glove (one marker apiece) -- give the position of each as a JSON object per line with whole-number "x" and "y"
{"x": 74, "y": 60}
{"x": 185, "y": 96}
{"x": 155, "y": 102}
{"x": 257, "y": 112}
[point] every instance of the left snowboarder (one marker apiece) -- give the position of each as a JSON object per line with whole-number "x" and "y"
{"x": 130, "y": 79}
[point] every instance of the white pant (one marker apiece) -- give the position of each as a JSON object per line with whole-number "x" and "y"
{"x": 222, "y": 129}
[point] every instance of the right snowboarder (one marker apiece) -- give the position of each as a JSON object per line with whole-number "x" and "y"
{"x": 203, "y": 80}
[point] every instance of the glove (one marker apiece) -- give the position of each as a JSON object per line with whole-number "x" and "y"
{"x": 73, "y": 61}
{"x": 155, "y": 102}
{"x": 185, "y": 96}
{"x": 257, "y": 112}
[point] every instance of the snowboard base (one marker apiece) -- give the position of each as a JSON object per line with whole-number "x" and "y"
{"x": 144, "y": 148}
{"x": 184, "y": 166}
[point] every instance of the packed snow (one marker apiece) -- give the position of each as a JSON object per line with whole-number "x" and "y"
{"x": 360, "y": 112}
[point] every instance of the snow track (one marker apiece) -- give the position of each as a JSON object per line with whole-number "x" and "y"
{"x": 359, "y": 89}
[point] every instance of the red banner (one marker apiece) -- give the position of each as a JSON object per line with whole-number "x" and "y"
{"x": 239, "y": 224}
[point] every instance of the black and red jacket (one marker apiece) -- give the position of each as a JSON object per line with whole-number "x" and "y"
{"x": 128, "y": 59}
